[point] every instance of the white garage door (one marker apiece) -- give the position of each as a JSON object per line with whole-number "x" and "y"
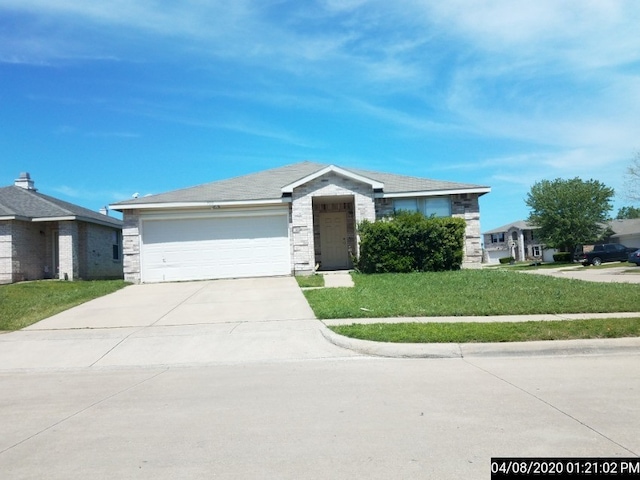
{"x": 250, "y": 245}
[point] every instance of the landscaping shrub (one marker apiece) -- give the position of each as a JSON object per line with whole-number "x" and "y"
{"x": 562, "y": 257}
{"x": 505, "y": 260}
{"x": 410, "y": 242}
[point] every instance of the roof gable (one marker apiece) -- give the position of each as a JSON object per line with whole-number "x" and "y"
{"x": 376, "y": 185}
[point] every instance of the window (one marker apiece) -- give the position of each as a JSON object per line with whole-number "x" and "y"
{"x": 437, "y": 206}
{"x": 535, "y": 249}
{"x": 115, "y": 240}
{"x": 497, "y": 237}
{"x": 408, "y": 204}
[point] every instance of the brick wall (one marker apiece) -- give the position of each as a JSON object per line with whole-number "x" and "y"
{"x": 28, "y": 251}
{"x": 68, "y": 240}
{"x": 96, "y": 247}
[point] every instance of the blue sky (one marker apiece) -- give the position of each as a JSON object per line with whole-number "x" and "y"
{"x": 100, "y": 100}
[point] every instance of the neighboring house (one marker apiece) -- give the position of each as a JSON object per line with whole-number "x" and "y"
{"x": 517, "y": 240}
{"x": 43, "y": 237}
{"x": 627, "y": 232}
{"x": 278, "y": 222}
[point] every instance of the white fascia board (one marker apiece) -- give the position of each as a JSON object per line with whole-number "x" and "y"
{"x": 436, "y": 193}
{"x": 173, "y": 205}
{"x": 332, "y": 168}
{"x": 54, "y": 219}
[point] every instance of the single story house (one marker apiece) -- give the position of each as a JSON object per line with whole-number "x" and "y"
{"x": 517, "y": 240}
{"x": 627, "y": 232}
{"x": 288, "y": 220}
{"x": 43, "y": 237}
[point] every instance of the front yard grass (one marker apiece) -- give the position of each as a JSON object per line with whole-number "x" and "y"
{"x": 22, "y": 304}
{"x": 469, "y": 292}
{"x": 310, "y": 281}
{"x": 463, "y": 332}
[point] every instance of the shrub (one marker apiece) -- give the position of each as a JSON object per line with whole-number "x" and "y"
{"x": 562, "y": 257}
{"x": 410, "y": 242}
{"x": 505, "y": 260}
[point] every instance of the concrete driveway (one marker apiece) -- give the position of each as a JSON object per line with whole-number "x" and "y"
{"x": 624, "y": 273}
{"x": 176, "y": 323}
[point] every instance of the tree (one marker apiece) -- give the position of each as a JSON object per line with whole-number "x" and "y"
{"x": 628, "y": 212}
{"x": 569, "y": 212}
{"x": 632, "y": 179}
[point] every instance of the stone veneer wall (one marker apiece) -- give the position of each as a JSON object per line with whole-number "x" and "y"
{"x": 467, "y": 207}
{"x": 131, "y": 246}
{"x": 329, "y": 185}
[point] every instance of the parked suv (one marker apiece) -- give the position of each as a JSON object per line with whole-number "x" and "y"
{"x": 602, "y": 252}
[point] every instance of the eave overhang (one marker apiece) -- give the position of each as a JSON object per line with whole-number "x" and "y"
{"x": 435, "y": 193}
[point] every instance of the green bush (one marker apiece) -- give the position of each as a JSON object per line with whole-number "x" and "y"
{"x": 505, "y": 260}
{"x": 411, "y": 242}
{"x": 562, "y": 257}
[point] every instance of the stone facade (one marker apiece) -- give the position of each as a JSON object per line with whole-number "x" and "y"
{"x": 131, "y": 246}
{"x": 467, "y": 207}
{"x": 66, "y": 250}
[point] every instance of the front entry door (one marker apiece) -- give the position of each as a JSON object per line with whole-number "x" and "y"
{"x": 333, "y": 241}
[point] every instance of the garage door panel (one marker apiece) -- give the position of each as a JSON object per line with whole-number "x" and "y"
{"x": 205, "y": 248}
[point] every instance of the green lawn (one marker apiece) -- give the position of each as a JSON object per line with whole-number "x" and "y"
{"x": 470, "y": 292}
{"x": 22, "y": 304}
{"x": 491, "y": 332}
{"x": 308, "y": 281}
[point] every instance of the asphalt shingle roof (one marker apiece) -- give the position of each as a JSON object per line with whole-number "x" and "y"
{"x": 267, "y": 185}
{"x": 520, "y": 224}
{"x": 20, "y": 202}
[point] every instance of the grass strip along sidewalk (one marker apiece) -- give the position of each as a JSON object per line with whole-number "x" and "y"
{"x": 465, "y": 332}
{"x": 476, "y": 293}
{"x": 22, "y": 304}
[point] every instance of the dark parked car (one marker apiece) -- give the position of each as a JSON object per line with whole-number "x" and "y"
{"x": 602, "y": 252}
{"x": 634, "y": 257}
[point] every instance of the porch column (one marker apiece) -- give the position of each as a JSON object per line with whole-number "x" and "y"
{"x": 522, "y": 248}
{"x": 68, "y": 248}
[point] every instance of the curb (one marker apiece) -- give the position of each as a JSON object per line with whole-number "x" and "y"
{"x": 464, "y": 350}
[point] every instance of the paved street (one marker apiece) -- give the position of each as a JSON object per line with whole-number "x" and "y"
{"x": 332, "y": 418}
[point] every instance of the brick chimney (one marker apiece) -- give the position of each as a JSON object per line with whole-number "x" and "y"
{"x": 24, "y": 181}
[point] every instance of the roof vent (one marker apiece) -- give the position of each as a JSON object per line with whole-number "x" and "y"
{"x": 24, "y": 181}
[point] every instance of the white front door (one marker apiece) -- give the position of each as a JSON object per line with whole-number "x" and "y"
{"x": 333, "y": 240}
